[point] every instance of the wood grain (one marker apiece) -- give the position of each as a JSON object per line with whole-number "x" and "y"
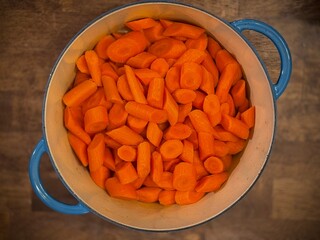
{"x": 283, "y": 204}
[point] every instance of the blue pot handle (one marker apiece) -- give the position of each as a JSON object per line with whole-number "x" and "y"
{"x": 34, "y": 174}
{"x": 279, "y": 42}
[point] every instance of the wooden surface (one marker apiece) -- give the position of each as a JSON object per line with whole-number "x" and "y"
{"x": 284, "y": 203}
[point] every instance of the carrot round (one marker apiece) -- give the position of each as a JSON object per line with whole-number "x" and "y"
{"x": 156, "y": 92}
{"x": 214, "y": 165}
{"x": 168, "y": 48}
{"x": 79, "y": 147}
{"x": 154, "y": 134}
{"x": 167, "y": 197}
{"x": 127, "y": 153}
{"x": 140, "y": 24}
{"x": 171, "y": 149}
{"x": 96, "y": 119}
{"x": 118, "y": 190}
{"x": 136, "y": 124}
{"x": 96, "y": 151}
{"x": 184, "y": 96}
{"x": 100, "y": 175}
{"x": 143, "y": 159}
{"x": 102, "y": 46}
{"x": 188, "y": 197}
{"x": 124, "y": 135}
{"x": 92, "y": 60}
{"x": 178, "y": 29}
{"x": 211, "y": 183}
{"x": 178, "y": 131}
{"x": 184, "y": 177}
{"x": 126, "y": 172}
{"x": 79, "y": 93}
{"x": 148, "y": 194}
{"x": 235, "y": 126}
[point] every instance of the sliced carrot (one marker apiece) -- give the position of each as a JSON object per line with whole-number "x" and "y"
{"x": 184, "y": 110}
{"x": 191, "y": 55}
{"x": 225, "y": 108}
{"x": 136, "y": 124}
{"x": 138, "y": 182}
{"x": 118, "y": 190}
{"x": 193, "y": 138}
{"x": 126, "y": 172}
{"x": 156, "y": 166}
{"x": 148, "y": 182}
{"x": 117, "y": 116}
{"x": 224, "y": 58}
{"x": 140, "y": 24}
{"x": 111, "y": 90}
{"x": 184, "y": 177}
{"x": 148, "y": 194}
{"x": 188, "y": 197}
{"x": 124, "y": 89}
{"x": 111, "y": 143}
{"x": 156, "y": 92}
{"x": 198, "y": 164}
{"x": 135, "y": 87}
{"x": 96, "y": 99}
{"x": 170, "y": 164}
{"x": 224, "y": 135}
{"x": 214, "y": 165}
{"x": 220, "y": 148}
{"x": 80, "y": 77}
{"x": 236, "y": 147}
{"x": 200, "y": 121}
{"x": 165, "y": 22}
{"x": 206, "y": 143}
{"x": 154, "y": 134}
{"x": 211, "y": 67}
{"x": 127, "y": 153}
{"x": 154, "y": 33}
{"x": 146, "y": 75}
{"x": 207, "y": 83}
{"x": 178, "y": 29}
{"x": 245, "y": 105}
{"x": 108, "y": 160}
{"x": 167, "y": 197}
{"x": 107, "y": 70}
{"x": 235, "y": 126}
{"x": 172, "y": 79}
{"x": 168, "y": 48}
{"x": 171, "y": 107}
{"x": 213, "y": 47}
{"x": 171, "y": 149}
{"x": 143, "y": 159}
{"x": 178, "y": 131}
{"x": 82, "y": 64}
{"x": 232, "y": 109}
{"x": 188, "y": 151}
{"x": 102, "y": 46}
{"x": 96, "y": 119}
{"x": 248, "y": 116}
{"x": 92, "y": 60}
{"x": 161, "y": 66}
{"x": 79, "y": 147}
{"x": 198, "y": 43}
{"x": 124, "y": 135}
{"x": 238, "y": 93}
{"x": 211, "y": 106}
{"x": 199, "y": 100}
{"x": 211, "y": 183}
{"x": 100, "y": 175}
{"x": 227, "y": 161}
{"x": 146, "y": 112}
{"x": 79, "y": 93}
{"x": 184, "y": 96}
{"x": 95, "y": 151}
{"x": 166, "y": 181}
{"x": 141, "y": 60}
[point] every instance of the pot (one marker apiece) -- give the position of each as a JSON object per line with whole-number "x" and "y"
{"x": 154, "y": 217}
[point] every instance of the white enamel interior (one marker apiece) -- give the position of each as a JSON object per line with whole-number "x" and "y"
{"x": 153, "y": 216}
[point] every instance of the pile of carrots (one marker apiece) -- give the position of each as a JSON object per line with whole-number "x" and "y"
{"x": 156, "y": 114}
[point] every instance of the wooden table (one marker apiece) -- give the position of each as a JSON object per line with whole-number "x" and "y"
{"x": 285, "y": 202}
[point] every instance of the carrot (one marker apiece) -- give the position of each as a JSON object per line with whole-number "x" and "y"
{"x": 126, "y": 172}
{"x": 141, "y": 60}
{"x": 184, "y": 110}
{"x": 95, "y": 151}
{"x": 110, "y": 89}
{"x": 146, "y": 112}
{"x": 165, "y": 22}
{"x": 206, "y": 143}
{"x": 111, "y": 143}
{"x": 148, "y": 182}
{"x": 227, "y": 161}
{"x": 117, "y": 190}
{"x": 231, "y": 73}
{"x": 79, "y": 147}
{"x": 138, "y": 182}
{"x": 107, "y": 69}
{"x": 96, "y": 99}
{"x": 211, "y": 183}
{"x": 143, "y": 159}
{"x": 184, "y": 177}
{"x": 248, "y": 116}
{"x": 193, "y": 138}
{"x": 213, "y": 47}
{"x": 140, "y": 24}
{"x": 148, "y": 194}
{"x": 178, "y": 131}
{"x": 102, "y": 46}
{"x": 224, "y": 58}
{"x": 238, "y": 93}
{"x": 100, "y": 175}
{"x": 117, "y": 116}
{"x": 92, "y": 60}
{"x": 156, "y": 92}
{"x": 170, "y": 164}
{"x": 187, "y": 152}
{"x": 171, "y": 107}
{"x": 199, "y": 167}
{"x": 127, "y": 153}
{"x": 161, "y": 66}
{"x": 225, "y": 108}
{"x": 154, "y": 33}
{"x": 191, "y": 55}
{"x": 184, "y": 96}
{"x": 124, "y": 135}
{"x": 146, "y": 75}
{"x": 171, "y": 149}
{"x": 211, "y": 106}
{"x": 172, "y": 79}
{"x": 75, "y": 126}
{"x": 80, "y": 77}
{"x": 166, "y": 181}
{"x": 236, "y": 147}
{"x": 108, "y": 159}
{"x": 79, "y": 93}
{"x": 220, "y": 148}
{"x": 245, "y": 105}
{"x": 167, "y": 197}
{"x": 134, "y": 85}
{"x": 117, "y": 159}
{"x": 232, "y": 109}
{"x": 127, "y": 46}
{"x": 168, "y": 48}
{"x": 224, "y": 135}
{"x": 154, "y": 134}
{"x": 156, "y": 166}
{"x": 123, "y": 88}
{"x": 235, "y": 126}
{"x": 211, "y": 67}
{"x": 198, "y": 43}
{"x": 201, "y": 122}
{"x": 188, "y": 197}
{"x": 96, "y": 119}
{"x": 136, "y": 124}
{"x": 178, "y": 29}
{"x": 214, "y": 165}
{"x": 82, "y": 64}
{"x": 207, "y": 83}
{"x": 198, "y": 101}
